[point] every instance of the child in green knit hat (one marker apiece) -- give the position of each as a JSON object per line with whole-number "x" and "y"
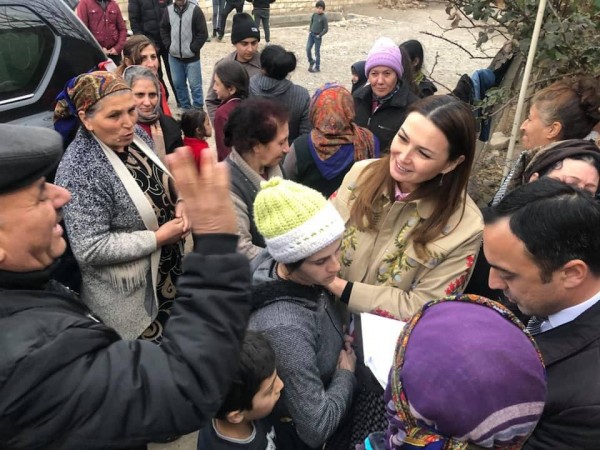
{"x": 298, "y": 315}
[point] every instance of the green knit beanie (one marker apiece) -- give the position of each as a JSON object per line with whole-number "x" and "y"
{"x": 296, "y": 221}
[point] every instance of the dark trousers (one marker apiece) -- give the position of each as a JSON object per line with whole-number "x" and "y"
{"x": 163, "y": 55}
{"x": 226, "y": 11}
{"x": 262, "y": 14}
{"x": 218, "y": 6}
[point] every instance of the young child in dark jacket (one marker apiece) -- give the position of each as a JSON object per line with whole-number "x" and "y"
{"x": 318, "y": 28}
{"x": 251, "y": 397}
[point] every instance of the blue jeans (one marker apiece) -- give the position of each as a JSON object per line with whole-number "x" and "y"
{"x": 316, "y": 41}
{"x": 184, "y": 73}
{"x": 218, "y": 6}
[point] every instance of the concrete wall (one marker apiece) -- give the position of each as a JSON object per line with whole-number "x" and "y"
{"x": 280, "y": 7}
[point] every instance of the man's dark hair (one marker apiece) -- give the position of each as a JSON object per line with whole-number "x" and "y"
{"x": 257, "y": 363}
{"x": 556, "y": 222}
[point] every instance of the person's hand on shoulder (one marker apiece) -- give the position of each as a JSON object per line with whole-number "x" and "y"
{"x": 208, "y": 202}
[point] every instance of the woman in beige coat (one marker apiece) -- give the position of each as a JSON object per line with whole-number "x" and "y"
{"x": 412, "y": 232}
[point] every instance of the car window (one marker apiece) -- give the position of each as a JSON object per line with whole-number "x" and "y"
{"x": 26, "y": 45}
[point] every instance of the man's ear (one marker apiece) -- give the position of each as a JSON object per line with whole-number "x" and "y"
{"x": 573, "y": 273}
{"x": 235, "y": 416}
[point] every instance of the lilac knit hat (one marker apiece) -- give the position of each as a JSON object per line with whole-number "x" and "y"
{"x": 386, "y": 53}
{"x": 465, "y": 371}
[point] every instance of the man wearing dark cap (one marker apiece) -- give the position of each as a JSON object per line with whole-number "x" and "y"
{"x": 542, "y": 244}
{"x": 245, "y": 37}
{"x": 67, "y": 381}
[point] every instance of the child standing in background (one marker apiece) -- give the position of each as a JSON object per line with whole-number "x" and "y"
{"x": 318, "y": 28}
{"x": 196, "y": 128}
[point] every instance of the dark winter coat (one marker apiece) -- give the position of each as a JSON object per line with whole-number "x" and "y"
{"x": 145, "y": 17}
{"x": 107, "y": 25}
{"x": 295, "y": 98}
{"x": 386, "y": 120}
{"x": 67, "y": 381}
{"x": 571, "y": 417}
{"x": 261, "y": 4}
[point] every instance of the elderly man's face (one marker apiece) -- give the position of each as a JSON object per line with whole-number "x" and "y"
{"x": 30, "y": 236}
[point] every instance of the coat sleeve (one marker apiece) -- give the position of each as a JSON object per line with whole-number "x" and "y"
{"x": 134, "y": 10}
{"x": 165, "y": 30}
{"x": 199, "y": 30}
{"x": 317, "y": 411}
{"x": 88, "y": 220}
{"x": 245, "y": 245}
{"x": 219, "y": 126}
{"x": 122, "y": 31}
{"x": 325, "y": 26}
{"x": 447, "y": 278}
{"x": 133, "y": 392}
{"x": 211, "y": 101}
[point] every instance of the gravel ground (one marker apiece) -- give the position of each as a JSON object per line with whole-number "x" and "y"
{"x": 349, "y": 41}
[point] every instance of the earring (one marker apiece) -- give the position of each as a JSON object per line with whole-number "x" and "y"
{"x": 442, "y": 179}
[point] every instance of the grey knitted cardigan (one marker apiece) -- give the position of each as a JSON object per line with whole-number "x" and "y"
{"x": 306, "y": 334}
{"x": 108, "y": 237}
{"x": 295, "y": 98}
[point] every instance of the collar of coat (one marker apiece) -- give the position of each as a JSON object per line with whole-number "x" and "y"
{"x": 401, "y": 99}
{"x": 255, "y": 61}
{"x": 561, "y": 342}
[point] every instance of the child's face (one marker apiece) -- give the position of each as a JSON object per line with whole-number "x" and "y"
{"x": 221, "y": 90}
{"x": 354, "y": 76}
{"x": 319, "y": 10}
{"x": 207, "y": 127}
{"x": 265, "y": 399}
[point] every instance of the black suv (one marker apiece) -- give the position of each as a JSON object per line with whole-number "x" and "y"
{"x": 42, "y": 45}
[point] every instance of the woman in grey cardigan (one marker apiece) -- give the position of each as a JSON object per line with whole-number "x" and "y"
{"x": 122, "y": 221}
{"x": 298, "y": 315}
{"x": 277, "y": 64}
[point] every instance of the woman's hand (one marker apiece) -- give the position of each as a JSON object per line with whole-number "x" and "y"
{"x": 181, "y": 214}
{"x": 337, "y": 286}
{"x": 347, "y": 360}
{"x": 170, "y": 232}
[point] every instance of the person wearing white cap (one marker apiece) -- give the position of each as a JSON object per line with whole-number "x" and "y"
{"x": 381, "y": 105}
{"x": 315, "y": 360}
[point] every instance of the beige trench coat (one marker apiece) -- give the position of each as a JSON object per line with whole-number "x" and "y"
{"x": 388, "y": 276}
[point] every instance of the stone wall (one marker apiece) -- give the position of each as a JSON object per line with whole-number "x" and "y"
{"x": 280, "y": 7}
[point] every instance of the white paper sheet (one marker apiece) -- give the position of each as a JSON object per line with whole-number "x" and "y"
{"x": 379, "y": 335}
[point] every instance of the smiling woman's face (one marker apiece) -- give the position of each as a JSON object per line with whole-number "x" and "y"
{"x": 113, "y": 120}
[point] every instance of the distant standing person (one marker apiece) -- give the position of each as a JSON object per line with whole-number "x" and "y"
{"x": 262, "y": 12}
{"x": 105, "y": 21}
{"x": 144, "y": 19}
{"x": 218, "y": 6}
{"x": 183, "y": 31}
{"x": 318, "y": 28}
{"x": 230, "y": 5}
{"x": 245, "y": 38}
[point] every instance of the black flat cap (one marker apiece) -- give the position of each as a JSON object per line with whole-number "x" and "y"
{"x": 26, "y": 155}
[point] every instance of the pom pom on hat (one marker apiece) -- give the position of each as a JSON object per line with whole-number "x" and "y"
{"x": 296, "y": 221}
{"x": 243, "y": 27}
{"x": 386, "y": 53}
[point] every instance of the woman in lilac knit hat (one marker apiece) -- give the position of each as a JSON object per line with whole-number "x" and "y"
{"x": 381, "y": 105}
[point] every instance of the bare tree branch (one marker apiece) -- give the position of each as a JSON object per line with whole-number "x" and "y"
{"x": 457, "y": 45}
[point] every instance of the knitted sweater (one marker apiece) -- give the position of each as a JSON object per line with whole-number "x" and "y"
{"x": 295, "y": 98}
{"x": 305, "y": 329}
{"x": 107, "y": 236}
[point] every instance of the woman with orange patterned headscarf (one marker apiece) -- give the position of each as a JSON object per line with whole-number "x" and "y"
{"x": 321, "y": 158}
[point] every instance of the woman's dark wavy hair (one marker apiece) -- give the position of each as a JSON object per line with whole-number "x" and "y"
{"x": 254, "y": 122}
{"x": 233, "y": 75}
{"x": 455, "y": 120}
